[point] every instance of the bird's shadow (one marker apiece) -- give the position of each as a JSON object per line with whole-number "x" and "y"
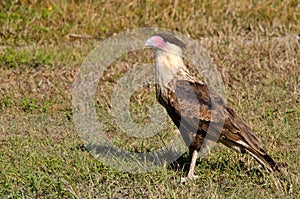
{"x": 181, "y": 164}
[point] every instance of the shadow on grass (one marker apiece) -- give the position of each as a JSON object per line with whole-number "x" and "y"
{"x": 130, "y": 161}
{"x": 181, "y": 164}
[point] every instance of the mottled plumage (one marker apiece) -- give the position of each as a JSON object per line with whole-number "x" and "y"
{"x": 194, "y": 107}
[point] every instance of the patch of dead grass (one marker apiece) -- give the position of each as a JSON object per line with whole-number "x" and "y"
{"x": 254, "y": 44}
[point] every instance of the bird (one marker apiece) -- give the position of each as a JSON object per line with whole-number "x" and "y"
{"x": 194, "y": 107}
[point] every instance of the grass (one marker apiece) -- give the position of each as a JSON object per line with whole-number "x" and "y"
{"x": 253, "y": 43}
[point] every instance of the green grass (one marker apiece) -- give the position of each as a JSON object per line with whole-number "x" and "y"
{"x": 253, "y": 43}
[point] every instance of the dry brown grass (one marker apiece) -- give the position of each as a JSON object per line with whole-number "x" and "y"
{"x": 255, "y": 45}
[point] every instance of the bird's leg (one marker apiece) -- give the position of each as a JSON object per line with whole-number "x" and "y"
{"x": 191, "y": 176}
{"x": 193, "y": 155}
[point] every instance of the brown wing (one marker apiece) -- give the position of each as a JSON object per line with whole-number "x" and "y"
{"x": 242, "y": 132}
{"x": 195, "y": 109}
{"x": 194, "y": 106}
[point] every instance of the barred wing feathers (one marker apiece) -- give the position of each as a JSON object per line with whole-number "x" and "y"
{"x": 193, "y": 107}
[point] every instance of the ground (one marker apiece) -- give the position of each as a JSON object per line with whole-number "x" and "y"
{"x": 255, "y": 45}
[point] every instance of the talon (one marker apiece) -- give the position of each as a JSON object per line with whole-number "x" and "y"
{"x": 183, "y": 180}
{"x": 193, "y": 177}
{"x": 189, "y": 178}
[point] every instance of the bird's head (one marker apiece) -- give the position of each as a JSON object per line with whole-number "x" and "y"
{"x": 166, "y": 42}
{"x": 169, "y": 58}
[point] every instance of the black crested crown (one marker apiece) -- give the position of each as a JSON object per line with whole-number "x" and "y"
{"x": 167, "y": 37}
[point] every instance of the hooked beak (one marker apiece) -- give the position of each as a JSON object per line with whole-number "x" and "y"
{"x": 149, "y": 43}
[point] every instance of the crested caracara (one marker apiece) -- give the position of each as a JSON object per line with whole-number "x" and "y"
{"x": 193, "y": 107}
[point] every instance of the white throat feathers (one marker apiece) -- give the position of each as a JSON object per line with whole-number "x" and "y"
{"x": 168, "y": 64}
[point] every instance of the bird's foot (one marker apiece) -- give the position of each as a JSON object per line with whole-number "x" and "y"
{"x": 189, "y": 178}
